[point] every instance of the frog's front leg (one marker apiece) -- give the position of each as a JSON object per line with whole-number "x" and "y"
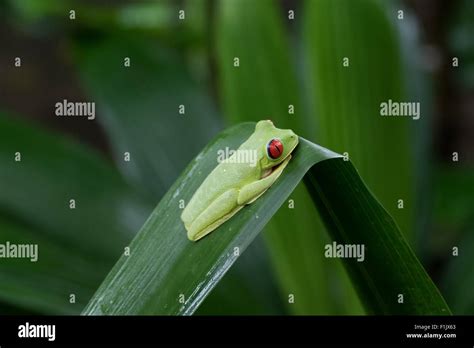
{"x": 218, "y": 212}
{"x": 251, "y": 192}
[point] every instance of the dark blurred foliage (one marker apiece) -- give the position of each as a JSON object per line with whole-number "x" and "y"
{"x": 446, "y": 31}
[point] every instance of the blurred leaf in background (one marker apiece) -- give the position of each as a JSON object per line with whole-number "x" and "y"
{"x": 143, "y": 17}
{"x": 353, "y": 69}
{"x": 76, "y": 246}
{"x": 458, "y": 277}
{"x": 52, "y": 171}
{"x": 154, "y": 101}
{"x": 451, "y": 241}
{"x": 453, "y": 238}
{"x": 45, "y": 286}
{"x": 461, "y": 43}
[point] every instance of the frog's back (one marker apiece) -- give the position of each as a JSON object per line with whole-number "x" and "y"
{"x": 224, "y": 177}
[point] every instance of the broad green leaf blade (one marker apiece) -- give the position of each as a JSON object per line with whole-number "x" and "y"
{"x": 347, "y": 98}
{"x": 264, "y": 85}
{"x": 164, "y": 264}
{"x": 249, "y": 288}
{"x": 143, "y": 102}
{"x": 167, "y": 274}
{"x": 390, "y": 268}
{"x": 76, "y": 247}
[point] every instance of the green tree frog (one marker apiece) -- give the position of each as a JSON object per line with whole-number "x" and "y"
{"x": 237, "y": 181}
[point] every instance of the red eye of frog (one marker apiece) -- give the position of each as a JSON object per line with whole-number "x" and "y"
{"x": 274, "y": 148}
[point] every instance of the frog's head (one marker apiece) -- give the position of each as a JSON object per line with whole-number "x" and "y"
{"x": 277, "y": 145}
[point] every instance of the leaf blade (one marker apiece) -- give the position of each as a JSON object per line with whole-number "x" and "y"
{"x": 164, "y": 266}
{"x": 385, "y": 247}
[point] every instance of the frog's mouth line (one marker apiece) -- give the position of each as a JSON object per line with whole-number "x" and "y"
{"x": 269, "y": 171}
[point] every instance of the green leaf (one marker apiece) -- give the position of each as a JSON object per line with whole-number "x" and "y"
{"x": 453, "y": 194}
{"x": 249, "y": 288}
{"x": 141, "y": 102}
{"x": 164, "y": 266}
{"x": 460, "y": 31}
{"x": 252, "y": 32}
{"x": 77, "y": 246}
{"x": 452, "y": 233}
{"x": 346, "y": 99}
{"x": 390, "y": 269}
{"x": 265, "y": 85}
{"x": 458, "y": 278}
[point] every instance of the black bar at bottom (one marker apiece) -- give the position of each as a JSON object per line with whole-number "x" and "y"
{"x": 413, "y": 330}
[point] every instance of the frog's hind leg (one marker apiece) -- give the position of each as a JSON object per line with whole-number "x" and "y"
{"x": 216, "y": 224}
{"x": 218, "y": 212}
{"x": 257, "y": 197}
